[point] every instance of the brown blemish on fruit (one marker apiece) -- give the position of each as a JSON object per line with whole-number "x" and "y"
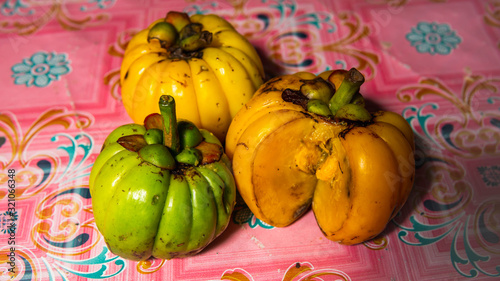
{"x": 202, "y": 69}
{"x": 302, "y": 209}
{"x": 295, "y": 97}
{"x": 243, "y": 144}
{"x": 155, "y": 199}
{"x": 132, "y": 142}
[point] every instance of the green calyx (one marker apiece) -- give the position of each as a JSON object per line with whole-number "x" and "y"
{"x": 358, "y": 99}
{"x": 158, "y": 155}
{"x": 317, "y": 89}
{"x": 189, "y": 156}
{"x": 182, "y": 38}
{"x": 190, "y": 135}
{"x": 192, "y": 37}
{"x": 153, "y": 136}
{"x": 319, "y": 107}
{"x": 165, "y": 33}
{"x": 320, "y": 97}
{"x": 167, "y": 142}
{"x": 353, "y": 112}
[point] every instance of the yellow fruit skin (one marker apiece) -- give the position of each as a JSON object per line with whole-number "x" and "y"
{"x": 356, "y": 176}
{"x": 209, "y": 90}
{"x": 267, "y": 99}
{"x": 275, "y": 191}
{"x": 374, "y": 190}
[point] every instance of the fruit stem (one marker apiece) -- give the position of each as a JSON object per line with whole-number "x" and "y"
{"x": 349, "y": 86}
{"x": 170, "y": 133}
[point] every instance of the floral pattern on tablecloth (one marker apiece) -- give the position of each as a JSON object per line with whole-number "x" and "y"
{"x": 40, "y": 69}
{"x": 433, "y": 38}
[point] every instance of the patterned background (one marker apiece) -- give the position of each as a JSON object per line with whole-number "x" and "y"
{"x": 437, "y": 62}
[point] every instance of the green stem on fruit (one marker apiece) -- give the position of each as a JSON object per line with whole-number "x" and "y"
{"x": 170, "y": 132}
{"x": 346, "y": 91}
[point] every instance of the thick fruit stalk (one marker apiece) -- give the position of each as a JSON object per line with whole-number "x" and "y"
{"x": 344, "y": 103}
{"x": 170, "y": 132}
{"x": 349, "y": 86}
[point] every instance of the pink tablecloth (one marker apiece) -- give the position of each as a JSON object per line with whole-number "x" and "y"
{"x": 437, "y": 62}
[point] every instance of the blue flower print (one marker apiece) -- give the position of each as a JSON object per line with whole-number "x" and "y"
{"x": 41, "y": 69}
{"x": 11, "y": 8}
{"x": 433, "y": 38}
{"x": 490, "y": 175}
{"x": 101, "y": 4}
{"x": 7, "y": 222}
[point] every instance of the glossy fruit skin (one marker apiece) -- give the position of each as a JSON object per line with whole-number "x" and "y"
{"x": 209, "y": 89}
{"x": 142, "y": 210}
{"x": 356, "y": 175}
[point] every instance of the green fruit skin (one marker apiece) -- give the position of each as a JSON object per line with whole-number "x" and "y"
{"x": 124, "y": 130}
{"x": 142, "y": 210}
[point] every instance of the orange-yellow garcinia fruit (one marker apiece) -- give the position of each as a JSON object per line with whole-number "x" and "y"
{"x": 307, "y": 140}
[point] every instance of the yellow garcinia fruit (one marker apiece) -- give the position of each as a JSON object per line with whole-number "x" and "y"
{"x": 202, "y": 61}
{"x": 307, "y": 140}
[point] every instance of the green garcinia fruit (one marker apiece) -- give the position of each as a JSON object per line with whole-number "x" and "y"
{"x": 146, "y": 203}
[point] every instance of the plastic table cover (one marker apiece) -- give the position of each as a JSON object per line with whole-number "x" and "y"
{"x": 436, "y": 62}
